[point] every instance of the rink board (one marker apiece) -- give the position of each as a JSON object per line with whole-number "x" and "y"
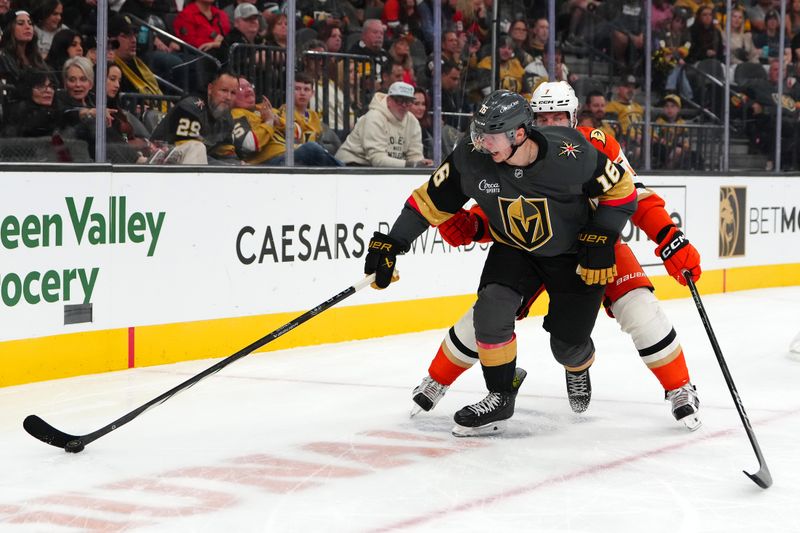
{"x": 105, "y": 271}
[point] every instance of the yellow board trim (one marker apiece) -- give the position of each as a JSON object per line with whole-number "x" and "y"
{"x": 62, "y": 356}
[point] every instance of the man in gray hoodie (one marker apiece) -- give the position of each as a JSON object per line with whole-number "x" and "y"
{"x": 388, "y": 135}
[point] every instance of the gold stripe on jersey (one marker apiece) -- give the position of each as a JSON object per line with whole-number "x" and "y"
{"x": 622, "y": 189}
{"x": 500, "y": 355}
{"x": 427, "y": 208}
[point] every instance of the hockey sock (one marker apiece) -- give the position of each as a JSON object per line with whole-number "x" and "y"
{"x": 445, "y": 368}
{"x": 674, "y": 374}
{"x": 499, "y": 361}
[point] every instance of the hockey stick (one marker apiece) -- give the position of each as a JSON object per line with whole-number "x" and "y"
{"x": 762, "y": 478}
{"x": 75, "y": 443}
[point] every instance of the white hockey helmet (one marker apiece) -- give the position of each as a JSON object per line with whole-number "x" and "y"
{"x": 554, "y": 96}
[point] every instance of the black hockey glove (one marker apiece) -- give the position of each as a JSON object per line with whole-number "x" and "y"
{"x": 381, "y": 257}
{"x": 596, "y": 261}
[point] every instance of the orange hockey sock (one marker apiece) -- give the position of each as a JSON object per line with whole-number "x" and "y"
{"x": 446, "y": 369}
{"x": 674, "y": 374}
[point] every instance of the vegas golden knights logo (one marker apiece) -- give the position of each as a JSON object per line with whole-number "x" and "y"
{"x": 526, "y": 221}
{"x": 732, "y": 203}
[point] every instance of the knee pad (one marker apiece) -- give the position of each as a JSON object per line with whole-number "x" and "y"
{"x": 573, "y": 356}
{"x": 640, "y": 315}
{"x": 494, "y": 313}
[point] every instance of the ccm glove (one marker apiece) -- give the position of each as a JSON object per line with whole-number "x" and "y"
{"x": 462, "y": 229}
{"x": 678, "y": 254}
{"x": 596, "y": 261}
{"x": 381, "y": 257}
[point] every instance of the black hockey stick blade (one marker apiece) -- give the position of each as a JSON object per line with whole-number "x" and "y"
{"x": 762, "y": 478}
{"x": 48, "y": 434}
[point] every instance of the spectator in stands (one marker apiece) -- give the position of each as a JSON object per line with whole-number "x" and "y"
{"x": 401, "y": 17}
{"x": 661, "y": 16}
{"x": 705, "y": 37}
{"x": 136, "y": 75}
{"x": 344, "y": 96}
{"x": 538, "y": 36}
{"x": 331, "y": 35}
{"x": 741, "y": 44}
{"x": 277, "y": 31}
{"x": 76, "y": 103}
{"x": 536, "y": 72}
{"x": 160, "y": 53}
{"x": 202, "y": 25}
{"x": 470, "y": 18}
{"x": 201, "y": 128}
{"x": 260, "y": 133}
{"x": 125, "y": 145}
{"x": 18, "y": 51}
{"x": 595, "y": 104}
{"x": 36, "y": 114}
{"x": 5, "y": 13}
{"x": 453, "y": 97}
{"x": 768, "y": 41}
{"x": 230, "y": 10}
{"x": 512, "y": 73}
{"x": 420, "y": 109}
{"x": 670, "y": 53}
{"x": 626, "y": 108}
{"x": 627, "y": 29}
{"x": 371, "y": 44}
{"x": 388, "y": 135}
{"x": 66, "y": 44}
{"x": 392, "y": 72}
{"x": 586, "y": 120}
{"x": 519, "y": 34}
{"x": 757, "y": 14}
{"x": 46, "y": 16}
{"x": 245, "y": 30}
{"x": 670, "y": 143}
{"x": 400, "y": 53}
{"x": 795, "y": 46}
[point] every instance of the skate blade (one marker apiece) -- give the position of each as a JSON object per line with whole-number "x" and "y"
{"x": 692, "y": 422}
{"x": 495, "y": 428}
{"x": 415, "y": 411}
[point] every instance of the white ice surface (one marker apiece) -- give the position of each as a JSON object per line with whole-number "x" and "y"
{"x": 319, "y": 439}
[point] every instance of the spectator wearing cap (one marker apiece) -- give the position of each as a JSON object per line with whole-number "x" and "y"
{"x": 388, "y": 135}
{"x": 671, "y": 148}
{"x": 246, "y": 28}
{"x": 230, "y": 10}
{"x": 768, "y": 41}
{"x": 136, "y": 75}
{"x": 202, "y": 25}
{"x": 624, "y": 105}
{"x": 670, "y": 53}
{"x": 757, "y": 13}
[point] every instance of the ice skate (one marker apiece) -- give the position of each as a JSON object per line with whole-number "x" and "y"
{"x": 685, "y": 404}
{"x": 579, "y": 390}
{"x": 427, "y": 394}
{"x": 488, "y": 416}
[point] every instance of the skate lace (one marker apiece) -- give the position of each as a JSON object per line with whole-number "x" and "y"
{"x": 682, "y": 396}
{"x": 577, "y": 384}
{"x": 487, "y": 405}
{"x": 433, "y": 389}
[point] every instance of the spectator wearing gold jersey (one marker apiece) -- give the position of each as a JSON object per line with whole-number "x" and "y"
{"x": 259, "y": 136}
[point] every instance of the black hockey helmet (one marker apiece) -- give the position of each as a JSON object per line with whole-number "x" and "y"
{"x": 501, "y": 111}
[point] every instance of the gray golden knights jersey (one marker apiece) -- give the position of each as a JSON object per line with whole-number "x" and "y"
{"x": 539, "y": 208}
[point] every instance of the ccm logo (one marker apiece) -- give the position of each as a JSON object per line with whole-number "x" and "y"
{"x": 677, "y": 242}
{"x": 593, "y": 238}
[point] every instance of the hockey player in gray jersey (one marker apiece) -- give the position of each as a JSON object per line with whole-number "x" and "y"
{"x": 536, "y": 186}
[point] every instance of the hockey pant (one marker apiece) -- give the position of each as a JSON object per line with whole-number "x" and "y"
{"x": 629, "y": 299}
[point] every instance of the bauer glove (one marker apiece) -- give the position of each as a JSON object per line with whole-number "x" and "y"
{"x": 381, "y": 258}
{"x": 596, "y": 261}
{"x": 464, "y": 228}
{"x": 678, "y": 254}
